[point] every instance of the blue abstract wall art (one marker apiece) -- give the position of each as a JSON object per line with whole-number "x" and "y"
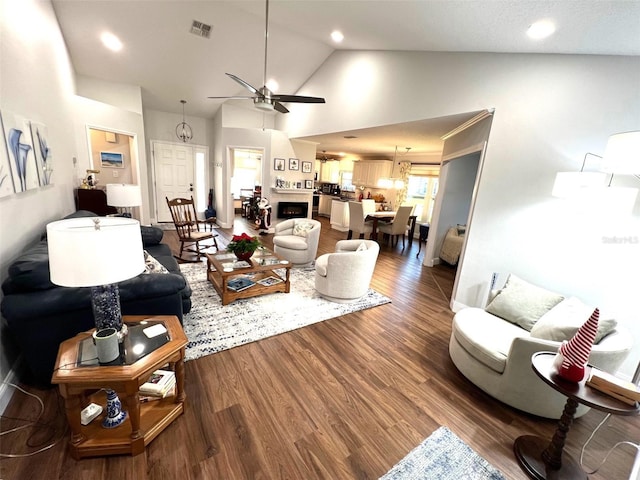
{"x": 6, "y": 179}
{"x": 22, "y": 160}
{"x": 44, "y": 161}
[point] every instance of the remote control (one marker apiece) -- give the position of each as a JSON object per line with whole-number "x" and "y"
{"x": 89, "y": 413}
{"x": 154, "y": 330}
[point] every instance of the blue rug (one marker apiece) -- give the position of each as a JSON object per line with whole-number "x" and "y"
{"x": 443, "y": 456}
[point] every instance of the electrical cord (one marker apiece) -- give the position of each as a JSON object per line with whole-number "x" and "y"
{"x": 625, "y": 442}
{"x": 34, "y": 423}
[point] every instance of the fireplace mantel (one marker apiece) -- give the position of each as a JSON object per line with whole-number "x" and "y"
{"x": 301, "y": 191}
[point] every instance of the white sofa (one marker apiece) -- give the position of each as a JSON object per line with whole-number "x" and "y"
{"x": 495, "y": 354}
{"x": 297, "y": 240}
{"x": 345, "y": 276}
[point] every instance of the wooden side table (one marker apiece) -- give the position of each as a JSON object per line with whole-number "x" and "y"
{"x": 81, "y": 380}
{"x": 542, "y": 459}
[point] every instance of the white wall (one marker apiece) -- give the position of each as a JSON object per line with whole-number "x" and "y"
{"x": 36, "y": 82}
{"x": 549, "y": 111}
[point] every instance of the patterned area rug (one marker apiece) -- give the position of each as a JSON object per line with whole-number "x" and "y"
{"x": 212, "y": 327}
{"x": 443, "y": 456}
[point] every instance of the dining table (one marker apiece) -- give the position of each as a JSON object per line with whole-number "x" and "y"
{"x": 388, "y": 216}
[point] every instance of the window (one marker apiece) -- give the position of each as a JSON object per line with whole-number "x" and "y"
{"x": 421, "y": 192}
{"x": 247, "y": 171}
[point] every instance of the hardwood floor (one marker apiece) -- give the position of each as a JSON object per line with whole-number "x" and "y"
{"x": 346, "y": 398}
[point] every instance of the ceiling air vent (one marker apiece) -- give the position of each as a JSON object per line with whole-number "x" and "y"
{"x": 200, "y": 29}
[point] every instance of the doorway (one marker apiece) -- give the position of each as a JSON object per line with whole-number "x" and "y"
{"x": 179, "y": 171}
{"x": 246, "y": 176}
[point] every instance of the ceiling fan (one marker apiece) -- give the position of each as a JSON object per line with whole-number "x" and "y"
{"x": 263, "y": 98}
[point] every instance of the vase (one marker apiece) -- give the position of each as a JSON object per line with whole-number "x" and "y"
{"x": 244, "y": 255}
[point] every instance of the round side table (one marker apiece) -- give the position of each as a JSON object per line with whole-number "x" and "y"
{"x": 542, "y": 459}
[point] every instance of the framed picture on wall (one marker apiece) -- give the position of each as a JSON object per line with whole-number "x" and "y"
{"x": 278, "y": 164}
{"x": 306, "y": 167}
{"x": 111, "y": 159}
{"x": 293, "y": 164}
{"x": 308, "y": 184}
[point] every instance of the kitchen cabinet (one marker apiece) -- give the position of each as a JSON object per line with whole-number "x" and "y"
{"x": 324, "y": 205}
{"x": 368, "y": 172}
{"x": 330, "y": 172}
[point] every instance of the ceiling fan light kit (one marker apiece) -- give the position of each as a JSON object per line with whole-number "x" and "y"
{"x": 263, "y": 98}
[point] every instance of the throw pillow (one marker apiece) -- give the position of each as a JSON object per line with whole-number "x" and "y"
{"x": 152, "y": 265}
{"x": 522, "y": 303}
{"x": 362, "y": 247}
{"x": 562, "y": 322}
{"x": 301, "y": 229}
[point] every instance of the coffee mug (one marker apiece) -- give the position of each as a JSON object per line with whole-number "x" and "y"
{"x": 106, "y": 341}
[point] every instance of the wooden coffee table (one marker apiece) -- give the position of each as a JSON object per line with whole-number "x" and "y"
{"x": 81, "y": 381}
{"x": 222, "y": 267}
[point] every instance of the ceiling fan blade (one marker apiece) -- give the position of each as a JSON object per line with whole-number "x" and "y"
{"x": 279, "y": 107}
{"x": 297, "y": 99}
{"x": 252, "y": 89}
{"x": 231, "y": 98}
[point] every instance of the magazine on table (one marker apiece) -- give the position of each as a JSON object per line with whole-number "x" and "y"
{"x": 159, "y": 382}
{"x": 268, "y": 281}
{"x": 240, "y": 283}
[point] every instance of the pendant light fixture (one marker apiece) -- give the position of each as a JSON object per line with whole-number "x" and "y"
{"x": 183, "y": 130}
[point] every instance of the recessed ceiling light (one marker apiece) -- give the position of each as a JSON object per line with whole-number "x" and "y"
{"x": 337, "y": 36}
{"x": 272, "y": 85}
{"x": 110, "y": 41}
{"x": 541, "y": 29}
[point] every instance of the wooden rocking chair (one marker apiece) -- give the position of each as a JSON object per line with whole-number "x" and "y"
{"x": 185, "y": 219}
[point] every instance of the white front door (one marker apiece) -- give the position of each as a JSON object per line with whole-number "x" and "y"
{"x": 173, "y": 167}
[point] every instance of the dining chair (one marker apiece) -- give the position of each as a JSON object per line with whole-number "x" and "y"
{"x": 368, "y": 206}
{"x": 185, "y": 219}
{"x": 398, "y": 226}
{"x": 356, "y": 220}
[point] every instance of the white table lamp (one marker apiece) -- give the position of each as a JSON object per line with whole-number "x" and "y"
{"x": 124, "y": 196}
{"x": 96, "y": 252}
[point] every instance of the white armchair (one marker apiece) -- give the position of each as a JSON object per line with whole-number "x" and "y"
{"x": 344, "y": 276}
{"x": 297, "y": 240}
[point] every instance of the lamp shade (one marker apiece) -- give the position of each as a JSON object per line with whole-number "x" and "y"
{"x": 123, "y": 195}
{"x": 622, "y": 154}
{"x": 92, "y": 251}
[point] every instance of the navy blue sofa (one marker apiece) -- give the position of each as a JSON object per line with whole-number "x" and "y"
{"x": 40, "y": 315}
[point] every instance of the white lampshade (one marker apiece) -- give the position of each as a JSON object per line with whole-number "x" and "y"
{"x": 571, "y": 184}
{"x": 622, "y": 154}
{"x": 93, "y": 251}
{"x": 123, "y": 195}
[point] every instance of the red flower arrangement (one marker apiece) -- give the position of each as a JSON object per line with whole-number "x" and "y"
{"x": 243, "y": 244}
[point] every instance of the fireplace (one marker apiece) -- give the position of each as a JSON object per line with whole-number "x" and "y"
{"x": 293, "y": 209}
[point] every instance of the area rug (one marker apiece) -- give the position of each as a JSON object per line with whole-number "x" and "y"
{"x": 443, "y": 456}
{"x": 211, "y": 327}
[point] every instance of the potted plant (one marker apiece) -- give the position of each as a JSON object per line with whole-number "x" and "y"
{"x": 243, "y": 246}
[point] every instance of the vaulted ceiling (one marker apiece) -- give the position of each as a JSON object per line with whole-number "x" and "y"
{"x": 169, "y": 63}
